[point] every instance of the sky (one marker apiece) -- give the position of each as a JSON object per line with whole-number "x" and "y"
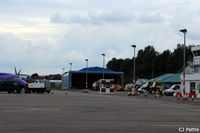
{"x": 44, "y": 36}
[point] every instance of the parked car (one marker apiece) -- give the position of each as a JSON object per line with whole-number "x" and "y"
{"x": 172, "y": 90}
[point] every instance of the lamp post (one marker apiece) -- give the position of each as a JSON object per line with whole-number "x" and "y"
{"x": 70, "y": 66}
{"x": 103, "y": 63}
{"x": 63, "y": 70}
{"x": 86, "y": 81}
{"x": 184, "y": 31}
{"x": 134, "y": 46}
{"x": 70, "y": 77}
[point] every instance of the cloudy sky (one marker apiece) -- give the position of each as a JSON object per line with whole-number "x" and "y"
{"x": 44, "y": 36}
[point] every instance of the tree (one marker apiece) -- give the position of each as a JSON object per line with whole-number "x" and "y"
{"x": 115, "y": 64}
{"x": 127, "y": 68}
{"x": 161, "y": 60}
{"x": 35, "y": 76}
{"x": 148, "y": 60}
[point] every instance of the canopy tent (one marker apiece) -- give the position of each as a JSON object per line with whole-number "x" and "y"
{"x": 78, "y": 78}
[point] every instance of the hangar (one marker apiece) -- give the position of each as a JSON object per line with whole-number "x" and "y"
{"x": 78, "y": 78}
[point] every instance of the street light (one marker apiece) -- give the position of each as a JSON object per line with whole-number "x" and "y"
{"x": 184, "y": 31}
{"x": 103, "y": 63}
{"x": 134, "y": 46}
{"x": 70, "y": 66}
{"x": 70, "y": 77}
{"x": 63, "y": 70}
{"x": 86, "y": 81}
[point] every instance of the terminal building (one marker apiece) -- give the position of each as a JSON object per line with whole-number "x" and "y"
{"x": 78, "y": 78}
{"x": 192, "y": 81}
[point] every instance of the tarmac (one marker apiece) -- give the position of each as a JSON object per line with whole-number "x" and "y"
{"x": 79, "y": 112}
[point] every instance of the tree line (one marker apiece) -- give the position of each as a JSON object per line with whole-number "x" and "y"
{"x": 151, "y": 63}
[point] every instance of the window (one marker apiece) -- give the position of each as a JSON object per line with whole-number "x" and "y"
{"x": 195, "y": 70}
{"x": 107, "y": 84}
{"x": 198, "y": 87}
{"x": 192, "y": 86}
{"x": 177, "y": 87}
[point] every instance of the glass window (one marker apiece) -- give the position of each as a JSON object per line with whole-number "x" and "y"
{"x": 107, "y": 84}
{"x": 195, "y": 70}
{"x": 192, "y": 86}
{"x": 177, "y": 87}
{"x": 198, "y": 87}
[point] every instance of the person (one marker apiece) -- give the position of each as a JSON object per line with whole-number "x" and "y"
{"x": 157, "y": 94}
{"x": 161, "y": 91}
{"x": 193, "y": 90}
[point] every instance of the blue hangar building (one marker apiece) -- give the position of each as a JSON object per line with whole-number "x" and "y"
{"x": 78, "y": 78}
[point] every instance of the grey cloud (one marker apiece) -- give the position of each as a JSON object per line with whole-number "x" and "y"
{"x": 187, "y": 17}
{"x": 109, "y": 17}
{"x": 116, "y": 16}
{"x": 78, "y": 19}
{"x": 150, "y": 18}
{"x": 57, "y": 18}
{"x": 95, "y": 18}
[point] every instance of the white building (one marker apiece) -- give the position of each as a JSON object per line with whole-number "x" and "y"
{"x": 192, "y": 81}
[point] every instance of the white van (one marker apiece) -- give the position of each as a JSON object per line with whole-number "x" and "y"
{"x": 172, "y": 90}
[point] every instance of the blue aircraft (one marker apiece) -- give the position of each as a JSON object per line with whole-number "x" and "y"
{"x": 12, "y": 82}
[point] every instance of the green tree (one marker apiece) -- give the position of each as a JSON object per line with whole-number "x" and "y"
{"x": 35, "y": 76}
{"x": 115, "y": 64}
{"x": 148, "y": 60}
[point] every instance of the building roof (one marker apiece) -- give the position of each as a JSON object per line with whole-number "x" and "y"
{"x": 169, "y": 78}
{"x": 142, "y": 81}
{"x": 97, "y": 70}
{"x": 190, "y": 63}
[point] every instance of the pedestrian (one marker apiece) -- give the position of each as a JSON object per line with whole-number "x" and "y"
{"x": 161, "y": 91}
{"x": 157, "y": 94}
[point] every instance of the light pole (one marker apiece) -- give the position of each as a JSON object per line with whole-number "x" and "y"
{"x": 184, "y": 31}
{"x": 86, "y": 81}
{"x": 70, "y": 77}
{"x": 63, "y": 70}
{"x": 103, "y": 63}
{"x": 70, "y": 66}
{"x": 134, "y": 46}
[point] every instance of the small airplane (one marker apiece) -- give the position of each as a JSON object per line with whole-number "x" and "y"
{"x": 12, "y": 82}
